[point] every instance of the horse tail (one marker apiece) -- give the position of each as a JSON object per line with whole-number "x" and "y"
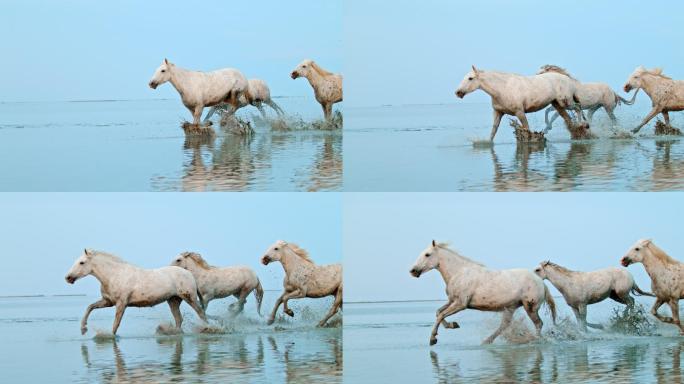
{"x": 637, "y": 291}
{"x": 259, "y": 295}
{"x": 550, "y": 302}
{"x": 619, "y": 98}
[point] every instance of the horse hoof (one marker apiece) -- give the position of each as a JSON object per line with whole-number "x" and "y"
{"x": 289, "y": 312}
{"x": 270, "y": 321}
{"x": 84, "y": 330}
{"x": 455, "y": 325}
{"x": 487, "y": 341}
{"x": 433, "y": 340}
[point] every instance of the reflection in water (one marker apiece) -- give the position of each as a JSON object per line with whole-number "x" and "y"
{"x": 234, "y": 358}
{"x": 539, "y": 166}
{"x": 237, "y": 163}
{"x": 601, "y": 361}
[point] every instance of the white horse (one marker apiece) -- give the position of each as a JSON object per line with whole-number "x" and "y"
{"x": 667, "y": 277}
{"x": 592, "y": 96}
{"x": 471, "y": 285}
{"x": 327, "y": 86}
{"x": 515, "y": 95}
{"x": 303, "y": 278}
{"x": 202, "y": 89}
{"x": 260, "y": 93}
{"x": 125, "y": 285}
{"x": 666, "y": 94}
{"x": 218, "y": 283}
{"x": 582, "y": 288}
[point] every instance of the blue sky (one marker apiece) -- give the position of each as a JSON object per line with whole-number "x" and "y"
{"x": 43, "y": 234}
{"x": 385, "y": 233}
{"x": 80, "y": 49}
{"x": 407, "y": 52}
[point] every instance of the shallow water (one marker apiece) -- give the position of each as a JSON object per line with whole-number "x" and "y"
{"x": 430, "y": 148}
{"x": 140, "y": 146}
{"x": 41, "y": 343}
{"x": 388, "y": 342}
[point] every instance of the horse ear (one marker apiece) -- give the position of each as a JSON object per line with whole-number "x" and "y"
{"x": 85, "y": 250}
{"x": 434, "y": 243}
{"x": 166, "y": 61}
{"x": 475, "y": 69}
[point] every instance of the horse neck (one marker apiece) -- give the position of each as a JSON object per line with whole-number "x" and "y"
{"x": 315, "y": 78}
{"x": 487, "y": 80}
{"x": 450, "y": 263}
{"x": 178, "y": 76}
{"x": 290, "y": 261}
{"x": 105, "y": 270}
{"x": 196, "y": 270}
{"x": 653, "y": 266}
{"x": 652, "y": 83}
{"x": 559, "y": 279}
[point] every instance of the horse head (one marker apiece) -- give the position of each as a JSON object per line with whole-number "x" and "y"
{"x": 470, "y": 83}
{"x": 82, "y": 267}
{"x": 274, "y": 252}
{"x": 635, "y": 254}
{"x": 635, "y": 80}
{"x": 303, "y": 69}
{"x": 426, "y": 261}
{"x": 161, "y": 75}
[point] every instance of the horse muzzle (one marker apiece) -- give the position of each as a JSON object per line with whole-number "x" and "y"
{"x": 415, "y": 273}
{"x": 153, "y": 85}
{"x": 294, "y": 75}
{"x": 627, "y": 87}
{"x": 625, "y": 261}
{"x": 460, "y": 94}
{"x": 265, "y": 260}
{"x": 70, "y": 279}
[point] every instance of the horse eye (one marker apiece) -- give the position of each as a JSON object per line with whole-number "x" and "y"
{"x": 163, "y": 70}
{"x": 82, "y": 262}
{"x": 636, "y": 249}
{"x": 470, "y": 78}
{"x": 427, "y": 255}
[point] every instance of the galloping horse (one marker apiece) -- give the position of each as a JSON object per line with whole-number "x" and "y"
{"x": 260, "y": 93}
{"x": 125, "y": 285}
{"x": 327, "y": 86}
{"x": 303, "y": 278}
{"x": 666, "y": 94}
{"x": 472, "y": 285}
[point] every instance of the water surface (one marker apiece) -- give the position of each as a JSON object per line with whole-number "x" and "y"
{"x": 41, "y": 343}
{"x": 388, "y": 342}
{"x": 139, "y": 146}
{"x": 430, "y": 148}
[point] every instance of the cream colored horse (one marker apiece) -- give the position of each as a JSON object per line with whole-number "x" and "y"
{"x": 667, "y": 95}
{"x": 260, "y": 93}
{"x": 515, "y": 95}
{"x": 327, "y": 86}
{"x": 667, "y": 277}
{"x": 220, "y": 282}
{"x": 471, "y": 285}
{"x": 303, "y": 278}
{"x": 592, "y": 96}
{"x": 202, "y": 89}
{"x": 125, "y": 285}
{"x": 582, "y": 288}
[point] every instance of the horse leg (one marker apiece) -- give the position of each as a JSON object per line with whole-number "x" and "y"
{"x": 666, "y": 116}
{"x": 327, "y": 110}
{"x": 523, "y": 120}
{"x": 451, "y": 309}
{"x": 174, "y": 306}
{"x": 333, "y": 309}
{"x": 209, "y": 114}
{"x": 590, "y": 114}
{"x": 549, "y": 123}
{"x": 674, "y": 305}
{"x": 447, "y": 324}
{"x": 563, "y": 113}
{"x": 506, "y": 318}
{"x": 197, "y": 114}
{"x": 495, "y": 125}
{"x": 296, "y": 294}
{"x": 533, "y": 313}
{"x": 648, "y": 118}
{"x": 654, "y": 311}
{"x": 260, "y": 107}
{"x": 120, "y": 309}
{"x": 271, "y": 319}
{"x": 275, "y": 107}
{"x": 102, "y": 303}
{"x": 193, "y": 301}
{"x": 578, "y": 316}
{"x": 242, "y": 298}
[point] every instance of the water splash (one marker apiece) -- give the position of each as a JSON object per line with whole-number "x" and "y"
{"x": 632, "y": 321}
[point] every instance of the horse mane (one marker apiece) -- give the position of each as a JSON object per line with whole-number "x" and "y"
{"x": 554, "y": 68}
{"x": 299, "y": 251}
{"x": 320, "y": 70}
{"x": 112, "y": 257}
{"x": 198, "y": 259}
{"x": 445, "y": 246}
{"x": 658, "y": 71}
{"x": 660, "y": 254}
{"x": 560, "y": 268}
